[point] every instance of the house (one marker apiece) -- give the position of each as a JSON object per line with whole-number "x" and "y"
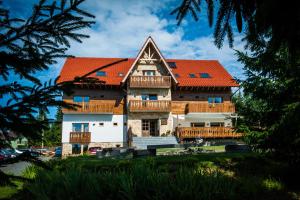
{"x": 145, "y": 97}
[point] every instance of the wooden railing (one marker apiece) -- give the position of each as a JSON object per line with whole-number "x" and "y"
{"x": 207, "y": 132}
{"x": 91, "y": 107}
{"x": 211, "y": 107}
{"x": 150, "y": 82}
{"x": 80, "y": 137}
{"x": 149, "y": 106}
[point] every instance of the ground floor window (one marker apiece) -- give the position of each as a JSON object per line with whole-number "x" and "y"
{"x": 150, "y": 127}
{"x": 197, "y": 124}
{"x": 216, "y": 124}
{"x": 76, "y": 148}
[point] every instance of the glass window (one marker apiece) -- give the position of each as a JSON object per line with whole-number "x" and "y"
{"x": 176, "y": 75}
{"x": 192, "y": 75}
{"x": 100, "y": 73}
{"x": 145, "y": 97}
{"x": 80, "y": 127}
{"x": 216, "y": 124}
{"x": 205, "y": 75}
{"x": 79, "y": 99}
{"x": 76, "y": 127}
{"x": 115, "y": 124}
{"x": 149, "y": 73}
{"x": 172, "y": 64}
{"x": 152, "y": 97}
{"x": 197, "y": 124}
{"x": 215, "y": 100}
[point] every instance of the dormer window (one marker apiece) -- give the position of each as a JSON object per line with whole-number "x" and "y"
{"x": 205, "y": 75}
{"x": 100, "y": 73}
{"x": 172, "y": 64}
{"x": 177, "y": 75}
{"x": 192, "y": 75}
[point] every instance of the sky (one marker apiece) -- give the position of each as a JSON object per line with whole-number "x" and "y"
{"x": 122, "y": 27}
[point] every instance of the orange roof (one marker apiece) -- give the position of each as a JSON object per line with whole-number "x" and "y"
{"x": 80, "y": 66}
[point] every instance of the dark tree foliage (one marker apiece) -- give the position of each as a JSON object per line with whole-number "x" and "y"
{"x": 28, "y": 46}
{"x": 271, "y": 105}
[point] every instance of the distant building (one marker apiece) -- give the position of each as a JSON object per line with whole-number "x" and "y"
{"x": 146, "y": 96}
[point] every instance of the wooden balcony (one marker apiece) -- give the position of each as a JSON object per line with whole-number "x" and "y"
{"x": 149, "y": 106}
{"x": 211, "y": 107}
{"x": 91, "y": 107}
{"x": 80, "y": 137}
{"x": 207, "y": 132}
{"x": 150, "y": 82}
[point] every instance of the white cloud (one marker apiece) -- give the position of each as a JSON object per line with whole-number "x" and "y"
{"x": 121, "y": 29}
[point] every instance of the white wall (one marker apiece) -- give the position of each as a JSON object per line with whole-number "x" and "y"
{"x": 106, "y": 133}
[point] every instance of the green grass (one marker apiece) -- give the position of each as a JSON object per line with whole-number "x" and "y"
{"x": 220, "y": 148}
{"x": 201, "y": 176}
{"x": 7, "y": 192}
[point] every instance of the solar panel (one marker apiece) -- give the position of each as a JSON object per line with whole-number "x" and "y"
{"x": 205, "y": 75}
{"x": 100, "y": 73}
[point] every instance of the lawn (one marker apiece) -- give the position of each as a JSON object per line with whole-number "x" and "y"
{"x": 219, "y": 148}
{"x": 201, "y": 176}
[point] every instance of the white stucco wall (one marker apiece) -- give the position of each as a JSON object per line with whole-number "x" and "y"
{"x": 106, "y": 133}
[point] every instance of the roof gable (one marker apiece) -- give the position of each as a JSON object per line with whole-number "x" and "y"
{"x": 145, "y": 55}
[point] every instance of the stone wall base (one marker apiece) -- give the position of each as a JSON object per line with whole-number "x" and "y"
{"x": 67, "y": 147}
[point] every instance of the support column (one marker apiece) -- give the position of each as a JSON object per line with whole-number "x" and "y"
{"x": 81, "y": 149}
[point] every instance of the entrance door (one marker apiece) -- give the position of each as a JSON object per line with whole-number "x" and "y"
{"x": 149, "y": 127}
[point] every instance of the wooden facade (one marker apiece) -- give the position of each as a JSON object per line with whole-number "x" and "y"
{"x": 150, "y": 82}
{"x": 206, "y": 132}
{"x": 80, "y": 137}
{"x": 210, "y": 107}
{"x": 93, "y": 107}
{"x": 149, "y": 106}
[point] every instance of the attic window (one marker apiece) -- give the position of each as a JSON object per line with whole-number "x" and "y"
{"x": 172, "y": 64}
{"x": 176, "y": 75}
{"x": 100, "y": 73}
{"x": 205, "y": 75}
{"x": 192, "y": 75}
{"x": 120, "y": 74}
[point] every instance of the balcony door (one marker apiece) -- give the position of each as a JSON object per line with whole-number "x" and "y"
{"x": 149, "y": 127}
{"x": 149, "y": 97}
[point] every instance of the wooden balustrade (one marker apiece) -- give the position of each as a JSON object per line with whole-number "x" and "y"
{"x": 211, "y": 107}
{"x": 91, "y": 107}
{"x": 207, "y": 132}
{"x": 150, "y": 82}
{"x": 149, "y": 106}
{"x": 80, "y": 137}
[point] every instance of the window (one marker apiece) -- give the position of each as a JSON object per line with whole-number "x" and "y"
{"x": 180, "y": 96}
{"x": 101, "y": 96}
{"x": 192, "y": 75}
{"x": 148, "y": 72}
{"x": 216, "y": 124}
{"x": 100, "y": 73}
{"x": 172, "y": 64}
{"x": 79, "y": 99}
{"x": 149, "y": 97}
{"x": 177, "y": 75}
{"x": 101, "y": 124}
{"x": 80, "y": 127}
{"x": 215, "y": 100}
{"x": 196, "y": 97}
{"x": 115, "y": 124}
{"x": 125, "y": 124}
{"x": 120, "y": 74}
{"x": 197, "y": 124}
{"x": 204, "y": 75}
{"x": 145, "y": 125}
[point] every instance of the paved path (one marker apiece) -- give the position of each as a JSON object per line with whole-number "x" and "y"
{"x": 18, "y": 168}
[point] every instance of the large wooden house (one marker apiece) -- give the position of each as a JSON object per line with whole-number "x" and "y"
{"x": 146, "y": 96}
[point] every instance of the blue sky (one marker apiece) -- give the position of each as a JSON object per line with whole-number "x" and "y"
{"x": 122, "y": 27}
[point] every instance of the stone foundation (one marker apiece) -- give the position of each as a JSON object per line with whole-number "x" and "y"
{"x": 67, "y": 147}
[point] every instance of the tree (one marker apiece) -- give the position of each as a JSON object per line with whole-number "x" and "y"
{"x": 271, "y": 103}
{"x": 52, "y": 137}
{"x": 29, "y": 46}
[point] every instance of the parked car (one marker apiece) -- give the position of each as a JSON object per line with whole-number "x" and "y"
{"x": 93, "y": 150}
{"x": 2, "y": 157}
{"x": 8, "y": 153}
{"x": 58, "y": 152}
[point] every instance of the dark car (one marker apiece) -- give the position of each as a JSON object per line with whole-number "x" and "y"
{"x": 58, "y": 152}
{"x": 93, "y": 150}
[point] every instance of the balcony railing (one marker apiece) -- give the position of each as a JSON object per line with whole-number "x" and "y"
{"x": 150, "y": 82}
{"x": 211, "y": 107}
{"x": 80, "y": 137}
{"x": 149, "y": 106}
{"x": 91, "y": 107}
{"x": 207, "y": 132}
